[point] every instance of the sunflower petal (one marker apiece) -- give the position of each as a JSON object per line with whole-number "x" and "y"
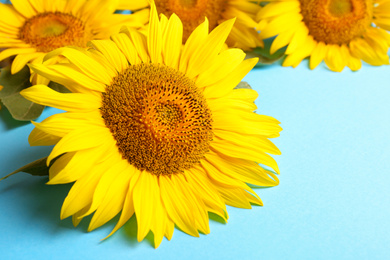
{"x": 145, "y": 194}
{"x": 154, "y": 36}
{"x": 177, "y": 206}
{"x": 113, "y": 201}
{"x": 86, "y": 64}
{"x": 79, "y": 139}
{"x": 44, "y": 95}
{"x": 128, "y": 206}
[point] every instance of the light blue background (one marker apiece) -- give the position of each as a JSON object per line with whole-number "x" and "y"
{"x": 332, "y": 202}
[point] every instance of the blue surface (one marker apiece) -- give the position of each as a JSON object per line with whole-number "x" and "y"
{"x": 332, "y": 202}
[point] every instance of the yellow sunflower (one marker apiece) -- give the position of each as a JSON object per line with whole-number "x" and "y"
{"x": 30, "y": 29}
{"x": 192, "y": 13}
{"x": 340, "y": 32}
{"x": 155, "y": 130}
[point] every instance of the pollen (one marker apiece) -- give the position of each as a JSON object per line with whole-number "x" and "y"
{"x": 193, "y": 12}
{"x": 336, "y": 21}
{"x": 49, "y": 31}
{"x": 158, "y": 117}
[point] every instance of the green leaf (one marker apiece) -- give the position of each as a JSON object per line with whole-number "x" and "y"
{"x": 264, "y": 55}
{"x": 13, "y": 83}
{"x": 19, "y": 107}
{"x": 243, "y": 84}
{"x": 36, "y": 168}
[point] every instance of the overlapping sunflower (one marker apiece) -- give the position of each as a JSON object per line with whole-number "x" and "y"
{"x": 192, "y": 13}
{"x": 340, "y": 32}
{"x": 30, "y": 29}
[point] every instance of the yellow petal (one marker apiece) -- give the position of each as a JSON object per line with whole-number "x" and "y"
{"x": 128, "y": 206}
{"x": 24, "y": 7}
{"x": 177, "y": 206}
{"x": 22, "y": 59}
{"x": 113, "y": 201}
{"x": 38, "y": 137}
{"x": 66, "y": 170}
{"x": 242, "y": 169}
{"x": 245, "y": 38}
{"x": 225, "y": 86}
{"x": 10, "y": 16}
{"x": 223, "y": 180}
{"x": 146, "y": 197}
{"x": 201, "y": 59}
{"x": 278, "y": 8}
{"x": 281, "y": 40}
{"x": 37, "y": 5}
{"x": 169, "y": 229}
{"x": 159, "y": 224}
{"x": 194, "y": 41}
{"x": 229, "y": 149}
{"x": 173, "y": 36}
{"x": 79, "y": 139}
{"x": 361, "y": 49}
{"x": 139, "y": 41}
{"x": 225, "y": 63}
{"x": 132, "y": 5}
{"x": 14, "y": 51}
{"x": 111, "y": 52}
{"x": 86, "y": 64}
{"x": 287, "y": 21}
{"x": 301, "y": 52}
{"x": 39, "y": 69}
{"x": 317, "y": 55}
{"x": 66, "y": 69}
{"x": 251, "y": 142}
{"x": 63, "y": 123}
{"x": 298, "y": 38}
{"x": 60, "y": 164}
{"x": 248, "y": 95}
{"x": 111, "y": 167}
{"x": 234, "y": 197}
{"x": 353, "y": 63}
{"x": 220, "y": 104}
{"x": 127, "y": 48}
{"x": 76, "y": 218}
{"x": 81, "y": 193}
{"x": 154, "y": 36}
{"x": 44, "y": 95}
{"x": 335, "y": 58}
{"x": 247, "y": 123}
{"x": 202, "y": 186}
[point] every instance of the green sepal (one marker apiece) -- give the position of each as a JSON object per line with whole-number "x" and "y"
{"x": 264, "y": 55}
{"x": 243, "y": 84}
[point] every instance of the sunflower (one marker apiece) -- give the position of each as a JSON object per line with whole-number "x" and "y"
{"x": 30, "y": 29}
{"x": 155, "y": 130}
{"x": 340, "y": 32}
{"x": 192, "y": 13}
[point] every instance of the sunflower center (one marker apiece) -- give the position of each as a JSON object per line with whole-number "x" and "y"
{"x": 193, "y": 12}
{"x": 49, "y": 31}
{"x": 169, "y": 114}
{"x": 336, "y": 21}
{"x": 188, "y": 3}
{"x": 339, "y": 8}
{"x": 158, "y": 117}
